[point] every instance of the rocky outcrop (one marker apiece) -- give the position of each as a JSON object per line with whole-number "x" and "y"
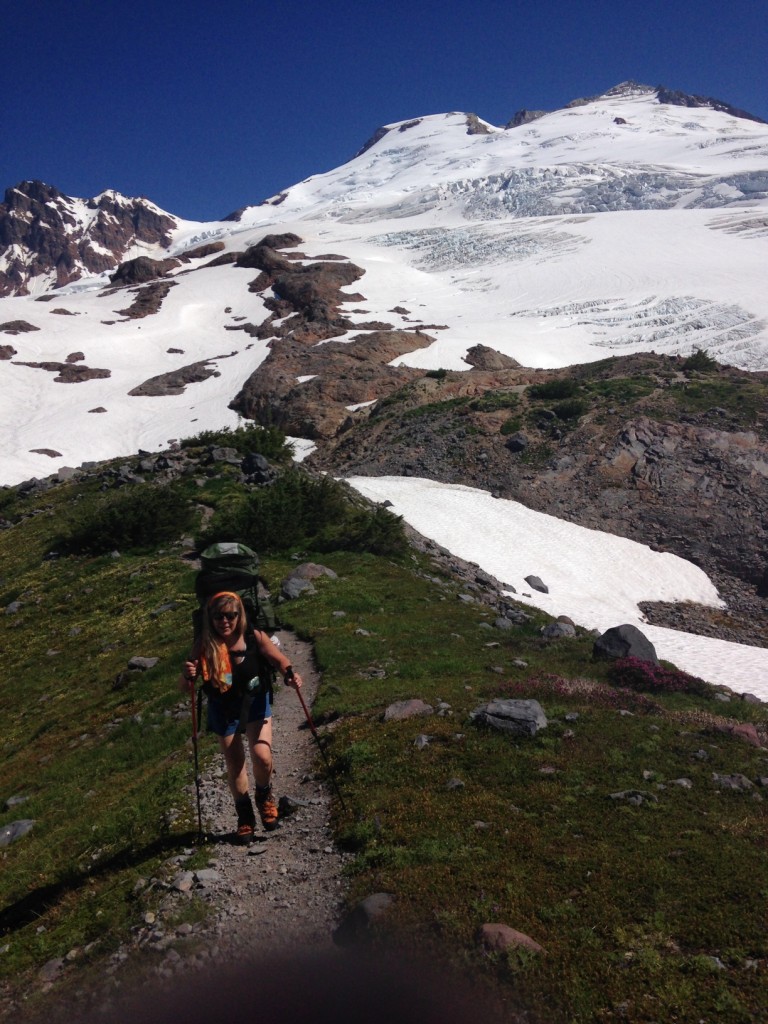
{"x": 49, "y": 234}
{"x": 148, "y": 300}
{"x": 304, "y": 388}
{"x": 661, "y": 468}
{"x": 67, "y": 373}
{"x": 141, "y": 270}
{"x": 176, "y": 381}
{"x": 16, "y": 327}
{"x": 484, "y": 358}
{"x": 341, "y": 375}
{"x": 682, "y": 99}
{"x": 663, "y": 94}
{"x": 201, "y": 251}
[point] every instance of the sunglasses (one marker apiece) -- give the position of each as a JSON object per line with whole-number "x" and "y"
{"x": 229, "y": 616}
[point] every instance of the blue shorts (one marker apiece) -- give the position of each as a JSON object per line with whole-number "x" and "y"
{"x": 224, "y": 715}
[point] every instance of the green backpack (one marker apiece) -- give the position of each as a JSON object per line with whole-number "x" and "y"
{"x": 232, "y": 566}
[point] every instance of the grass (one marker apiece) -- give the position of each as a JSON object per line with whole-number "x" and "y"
{"x": 635, "y": 905}
{"x": 647, "y": 912}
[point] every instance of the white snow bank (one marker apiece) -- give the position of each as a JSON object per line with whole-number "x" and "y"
{"x": 595, "y": 578}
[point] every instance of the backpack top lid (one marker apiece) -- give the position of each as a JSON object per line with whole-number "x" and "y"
{"x": 229, "y": 555}
{"x": 233, "y": 566}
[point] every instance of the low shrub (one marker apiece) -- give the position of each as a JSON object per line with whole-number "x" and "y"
{"x": 569, "y": 410}
{"x": 647, "y": 677}
{"x": 511, "y": 426}
{"x": 493, "y": 400}
{"x": 301, "y": 511}
{"x": 267, "y": 441}
{"x": 553, "y": 389}
{"x": 139, "y": 517}
{"x": 701, "y": 361}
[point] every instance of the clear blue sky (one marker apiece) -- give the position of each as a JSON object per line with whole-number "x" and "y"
{"x": 205, "y": 107}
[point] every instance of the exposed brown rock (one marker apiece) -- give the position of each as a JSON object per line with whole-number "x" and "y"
{"x": 345, "y": 374}
{"x": 484, "y": 358}
{"x": 67, "y": 372}
{"x": 75, "y": 357}
{"x": 203, "y": 250}
{"x": 148, "y": 300}
{"x": 224, "y": 260}
{"x": 475, "y": 126}
{"x": 17, "y": 327}
{"x": 176, "y": 381}
{"x": 50, "y": 452}
{"x": 7, "y": 352}
{"x": 141, "y": 270}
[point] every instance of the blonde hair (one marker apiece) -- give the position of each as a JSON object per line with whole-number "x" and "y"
{"x": 213, "y": 650}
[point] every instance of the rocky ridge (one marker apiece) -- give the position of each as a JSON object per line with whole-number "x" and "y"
{"x": 45, "y": 233}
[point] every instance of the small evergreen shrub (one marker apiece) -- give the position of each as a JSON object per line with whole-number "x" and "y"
{"x": 139, "y": 517}
{"x": 701, "y": 361}
{"x": 493, "y": 400}
{"x": 267, "y": 441}
{"x": 300, "y": 511}
{"x": 569, "y": 410}
{"x": 440, "y": 374}
{"x": 511, "y": 426}
{"x": 647, "y": 677}
{"x": 553, "y": 389}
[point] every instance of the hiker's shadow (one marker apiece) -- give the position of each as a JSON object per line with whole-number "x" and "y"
{"x": 39, "y": 901}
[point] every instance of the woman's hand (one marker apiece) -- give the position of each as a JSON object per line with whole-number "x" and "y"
{"x": 292, "y": 679}
{"x": 188, "y": 676}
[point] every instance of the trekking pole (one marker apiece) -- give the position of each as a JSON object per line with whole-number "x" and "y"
{"x": 200, "y": 835}
{"x": 311, "y": 724}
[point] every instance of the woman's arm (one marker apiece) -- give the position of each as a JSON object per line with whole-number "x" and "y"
{"x": 276, "y": 657}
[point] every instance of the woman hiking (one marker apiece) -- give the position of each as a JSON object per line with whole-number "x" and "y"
{"x": 230, "y": 656}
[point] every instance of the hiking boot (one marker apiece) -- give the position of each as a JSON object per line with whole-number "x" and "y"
{"x": 245, "y": 834}
{"x": 246, "y": 819}
{"x": 267, "y": 809}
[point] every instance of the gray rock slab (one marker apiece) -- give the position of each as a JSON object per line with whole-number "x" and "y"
{"x": 519, "y": 717}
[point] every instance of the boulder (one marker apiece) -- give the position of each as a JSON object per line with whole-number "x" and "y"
{"x": 517, "y": 442}
{"x": 356, "y": 926}
{"x": 313, "y": 570}
{"x": 556, "y": 630}
{"x": 518, "y": 717}
{"x": 295, "y": 586}
{"x": 15, "y": 830}
{"x": 624, "y": 641}
{"x": 498, "y": 938}
{"x": 402, "y": 709}
{"x": 139, "y": 664}
{"x": 484, "y": 358}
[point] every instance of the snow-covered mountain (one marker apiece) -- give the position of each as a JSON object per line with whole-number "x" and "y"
{"x": 614, "y": 225}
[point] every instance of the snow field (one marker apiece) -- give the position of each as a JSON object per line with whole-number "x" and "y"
{"x": 595, "y": 578}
